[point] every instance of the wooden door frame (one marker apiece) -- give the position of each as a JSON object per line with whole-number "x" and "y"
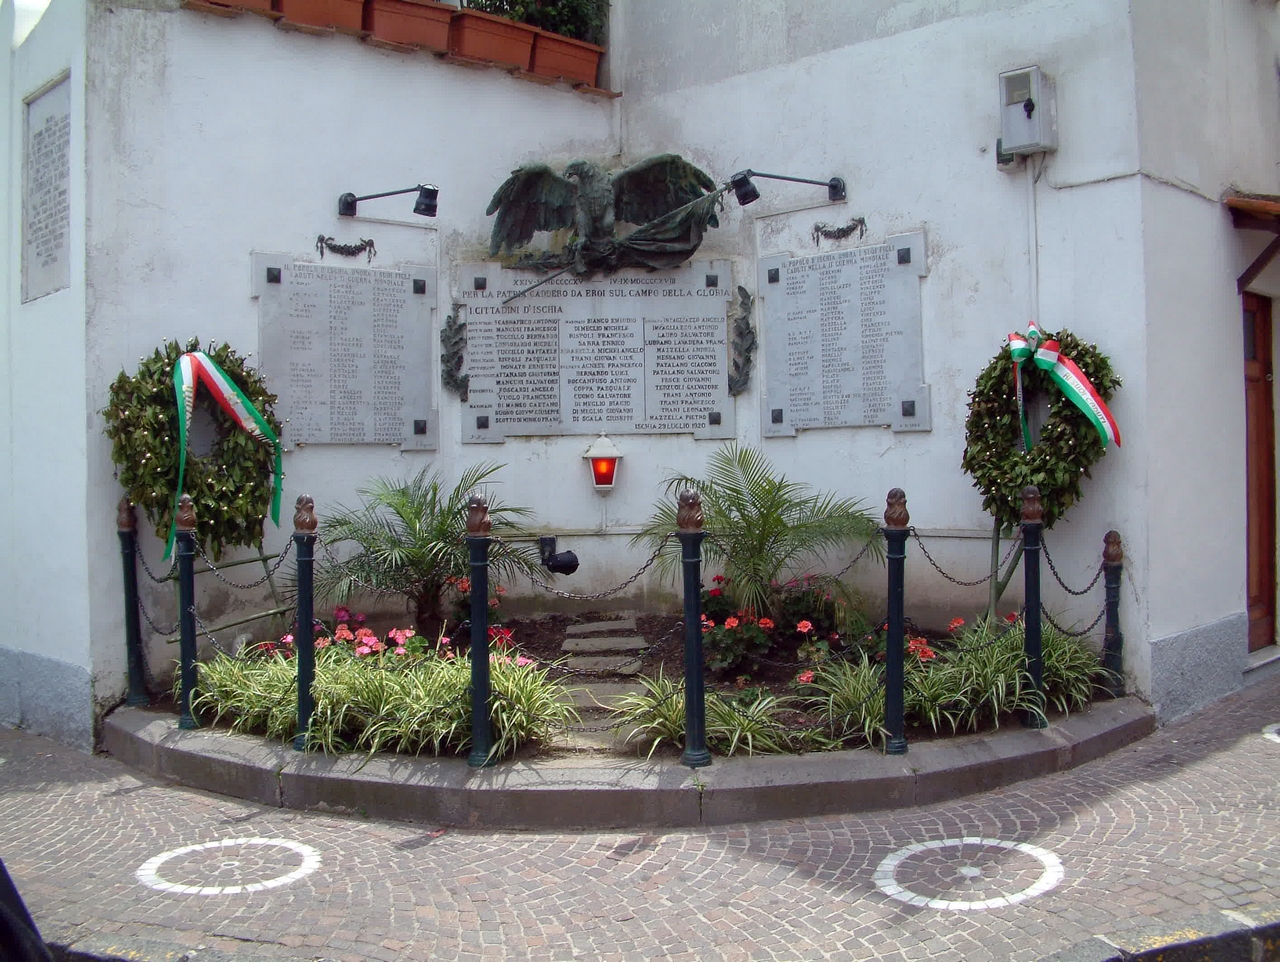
{"x": 1260, "y": 471}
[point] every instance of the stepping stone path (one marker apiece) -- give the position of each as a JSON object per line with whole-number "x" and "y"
{"x": 607, "y": 648}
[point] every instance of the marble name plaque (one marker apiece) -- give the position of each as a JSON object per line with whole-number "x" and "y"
{"x": 46, "y": 194}
{"x": 842, "y": 338}
{"x": 630, "y": 353}
{"x": 348, "y": 351}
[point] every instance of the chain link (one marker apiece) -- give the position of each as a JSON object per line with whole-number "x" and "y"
{"x": 150, "y": 574}
{"x": 406, "y": 588}
{"x": 1074, "y": 634}
{"x": 1044, "y": 549}
{"x": 146, "y": 615}
{"x": 288, "y": 546}
{"x": 201, "y": 629}
{"x": 956, "y": 581}
{"x": 597, "y": 596}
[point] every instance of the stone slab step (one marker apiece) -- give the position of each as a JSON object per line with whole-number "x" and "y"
{"x": 625, "y": 643}
{"x": 599, "y": 627}
{"x": 618, "y": 664}
{"x": 595, "y": 694}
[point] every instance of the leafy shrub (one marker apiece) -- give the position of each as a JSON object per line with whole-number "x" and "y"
{"x": 738, "y": 639}
{"x": 579, "y": 19}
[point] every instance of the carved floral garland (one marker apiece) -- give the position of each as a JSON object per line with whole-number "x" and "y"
{"x": 231, "y": 486}
{"x": 1069, "y": 443}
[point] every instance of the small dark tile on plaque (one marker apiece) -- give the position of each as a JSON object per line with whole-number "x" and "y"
{"x": 713, "y": 280}
{"x": 713, "y": 417}
{"x": 482, "y": 422}
{"x": 419, "y": 285}
{"x": 904, "y": 255}
{"x": 908, "y": 409}
{"x": 273, "y": 275}
{"x": 774, "y": 275}
{"x": 480, "y": 283}
{"x": 419, "y": 426}
{"x": 776, "y": 415}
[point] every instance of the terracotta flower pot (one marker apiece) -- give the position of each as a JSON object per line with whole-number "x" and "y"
{"x": 344, "y": 15}
{"x": 574, "y": 60}
{"x": 253, "y": 6}
{"x": 482, "y": 36}
{"x": 416, "y": 23}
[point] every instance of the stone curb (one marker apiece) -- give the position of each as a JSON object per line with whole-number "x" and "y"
{"x": 100, "y": 948}
{"x": 1217, "y": 937}
{"x": 610, "y": 793}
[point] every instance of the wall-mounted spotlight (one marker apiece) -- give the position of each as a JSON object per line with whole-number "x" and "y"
{"x": 746, "y": 191}
{"x": 428, "y": 195}
{"x": 557, "y": 562}
{"x": 603, "y": 456}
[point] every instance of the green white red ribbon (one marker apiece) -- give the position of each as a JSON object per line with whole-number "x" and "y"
{"x": 1067, "y": 375}
{"x": 195, "y": 366}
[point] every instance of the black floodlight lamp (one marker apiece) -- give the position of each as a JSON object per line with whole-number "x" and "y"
{"x": 746, "y": 191}
{"x": 557, "y": 562}
{"x": 428, "y": 195}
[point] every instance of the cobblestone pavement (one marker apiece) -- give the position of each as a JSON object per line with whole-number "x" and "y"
{"x": 1185, "y": 822}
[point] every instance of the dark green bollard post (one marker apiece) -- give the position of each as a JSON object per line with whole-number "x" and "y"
{"x": 689, "y": 522}
{"x": 186, "y": 524}
{"x": 896, "y": 521}
{"x": 1032, "y": 523}
{"x": 304, "y": 638}
{"x": 127, "y": 524}
{"x": 1112, "y": 640}
{"x": 478, "y": 528}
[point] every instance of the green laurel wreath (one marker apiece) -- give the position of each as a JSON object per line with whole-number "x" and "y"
{"x": 231, "y": 486}
{"x": 1068, "y": 447}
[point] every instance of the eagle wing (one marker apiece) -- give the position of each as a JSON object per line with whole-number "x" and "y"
{"x": 657, "y": 186}
{"x": 533, "y": 198}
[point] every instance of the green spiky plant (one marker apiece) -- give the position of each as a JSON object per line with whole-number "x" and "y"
{"x": 767, "y": 529}
{"x": 410, "y": 540}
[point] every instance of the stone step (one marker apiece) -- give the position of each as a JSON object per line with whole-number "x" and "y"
{"x": 625, "y": 643}
{"x": 618, "y": 664}
{"x": 600, "y": 627}
{"x": 588, "y": 696}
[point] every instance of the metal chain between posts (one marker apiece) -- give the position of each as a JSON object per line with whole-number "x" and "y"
{"x": 150, "y": 574}
{"x": 288, "y": 546}
{"x": 991, "y": 642}
{"x": 383, "y": 590}
{"x": 202, "y": 630}
{"x": 597, "y": 596}
{"x": 146, "y": 615}
{"x": 724, "y": 548}
{"x": 1044, "y": 550}
{"x": 1074, "y": 634}
{"x": 956, "y": 581}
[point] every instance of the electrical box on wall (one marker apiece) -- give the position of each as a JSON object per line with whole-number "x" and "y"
{"x": 1028, "y": 112}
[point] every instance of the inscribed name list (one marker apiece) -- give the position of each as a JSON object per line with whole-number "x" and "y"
{"x": 46, "y": 195}
{"x": 346, "y": 349}
{"x": 627, "y": 353}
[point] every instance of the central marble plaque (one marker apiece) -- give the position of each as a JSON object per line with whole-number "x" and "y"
{"x": 629, "y": 353}
{"x": 347, "y": 350}
{"x": 843, "y": 338}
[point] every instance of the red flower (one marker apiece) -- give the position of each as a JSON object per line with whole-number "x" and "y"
{"x": 714, "y": 593}
{"x": 718, "y": 579}
{"x": 804, "y": 677}
{"x": 731, "y": 622}
{"x": 804, "y": 627}
{"x": 500, "y": 636}
{"x": 955, "y": 623}
{"x": 707, "y": 625}
{"x": 1011, "y": 617}
{"x": 766, "y": 624}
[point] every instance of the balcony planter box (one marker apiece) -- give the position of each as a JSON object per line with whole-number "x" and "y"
{"x": 414, "y": 23}
{"x": 574, "y": 60}
{"x": 482, "y": 36}
{"x": 344, "y": 15}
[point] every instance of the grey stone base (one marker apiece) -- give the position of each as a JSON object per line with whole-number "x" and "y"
{"x": 1193, "y": 668}
{"x": 47, "y": 697}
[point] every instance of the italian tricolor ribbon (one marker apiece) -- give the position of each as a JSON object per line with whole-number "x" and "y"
{"x": 198, "y": 366}
{"x": 1066, "y": 375}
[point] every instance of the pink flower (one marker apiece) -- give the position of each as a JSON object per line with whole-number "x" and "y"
{"x": 323, "y": 642}
{"x": 402, "y": 651}
{"x": 359, "y": 618}
{"x": 375, "y": 645}
{"x": 766, "y": 624}
{"x": 493, "y": 602}
{"x": 363, "y": 650}
{"x": 521, "y": 660}
{"x": 343, "y": 634}
{"x": 500, "y": 591}
{"x": 955, "y": 623}
{"x": 341, "y": 613}
{"x": 444, "y": 642}
{"x": 804, "y": 677}
{"x": 804, "y": 627}
{"x": 731, "y": 622}
{"x": 286, "y": 639}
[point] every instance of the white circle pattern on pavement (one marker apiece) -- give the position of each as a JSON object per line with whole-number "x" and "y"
{"x": 1272, "y": 732}
{"x": 886, "y": 874}
{"x": 149, "y": 872}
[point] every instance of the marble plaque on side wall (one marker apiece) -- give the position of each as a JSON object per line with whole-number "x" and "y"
{"x": 348, "y": 351}
{"x": 636, "y": 352}
{"x": 842, "y": 338}
{"x": 46, "y": 193}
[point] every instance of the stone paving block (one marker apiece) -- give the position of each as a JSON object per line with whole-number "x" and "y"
{"x": 595, "y": 694}
{"x": 616, "y": 664}
{"x": 623, "y": 643}
{"x": 599, "y": 627}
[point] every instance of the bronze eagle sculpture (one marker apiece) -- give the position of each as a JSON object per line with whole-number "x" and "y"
{"x": 670, "y": 201}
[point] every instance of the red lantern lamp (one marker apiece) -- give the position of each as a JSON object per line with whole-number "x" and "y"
{"x": 603, "y": 456}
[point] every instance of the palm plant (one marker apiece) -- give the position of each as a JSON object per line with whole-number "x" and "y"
{"x": 766, "y": 529}
{"x": 410, "y": 540}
